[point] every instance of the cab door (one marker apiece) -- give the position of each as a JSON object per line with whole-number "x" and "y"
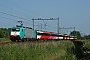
{"x": 22, "y": 32}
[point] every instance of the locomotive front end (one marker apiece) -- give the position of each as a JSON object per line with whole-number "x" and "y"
{"x": 15, "y": 34}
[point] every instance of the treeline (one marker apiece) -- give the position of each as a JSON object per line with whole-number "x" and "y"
{"x": 5, "y": 32}
{"x": 79, "y": 36}
{"x": 86, "y": 37}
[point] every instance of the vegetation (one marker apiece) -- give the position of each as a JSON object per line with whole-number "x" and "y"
{"x": 54, "y": 50}
{"x": 5, "y": 40}
{"x": 79, "y": 37}
{"x": 76, "y": 33}
{"x": 5, "y": 32}
{"x": 86, "y": 44}
{"x": 59, "y": 50}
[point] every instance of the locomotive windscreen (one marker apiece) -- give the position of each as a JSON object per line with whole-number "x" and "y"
{"x": 15, "y": 29}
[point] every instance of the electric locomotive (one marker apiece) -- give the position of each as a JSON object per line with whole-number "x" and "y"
{"x": 20, "y": 33}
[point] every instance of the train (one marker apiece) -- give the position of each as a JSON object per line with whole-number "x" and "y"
{"x": 20, "y": 33}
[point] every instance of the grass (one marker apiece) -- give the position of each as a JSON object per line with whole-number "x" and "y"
{"x": 87, "y": 43}
{"x": 5, "y": 40}
{"x": 59, "y": 50}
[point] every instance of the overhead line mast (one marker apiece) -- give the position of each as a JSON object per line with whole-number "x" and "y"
{"x": 48, "y": 19}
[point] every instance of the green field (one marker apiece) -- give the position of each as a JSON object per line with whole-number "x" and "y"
{"x": 39, "y": 51}
{"x": 54, "y": 50}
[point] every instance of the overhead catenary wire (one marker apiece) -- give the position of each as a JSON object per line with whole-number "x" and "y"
{"x": 24, "y": 22}
{"x": 14, "y": 16}
{"x": 20, "y": 13}
{"x": 7, "y": 18}
{"x": 12, "y": 19}
{"x": 15, "y": 11}
{"x": 20, "y": 7}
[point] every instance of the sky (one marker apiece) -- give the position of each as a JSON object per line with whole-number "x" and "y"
{"x": 71, "y": 13}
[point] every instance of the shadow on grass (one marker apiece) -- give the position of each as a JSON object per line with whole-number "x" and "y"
{"x": 82, "y": 53}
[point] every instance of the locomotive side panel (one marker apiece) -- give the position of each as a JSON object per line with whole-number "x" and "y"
{"x": 29, "y": 33}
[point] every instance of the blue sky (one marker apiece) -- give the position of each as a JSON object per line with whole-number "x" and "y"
{"x": 72, "y": 13}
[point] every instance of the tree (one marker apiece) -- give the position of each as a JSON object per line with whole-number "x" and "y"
{"x": 1, "y": 34}
{"x": 88, "y": 36}
{"x": 4, "y": 32}
{"x": 76, "y": 33}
